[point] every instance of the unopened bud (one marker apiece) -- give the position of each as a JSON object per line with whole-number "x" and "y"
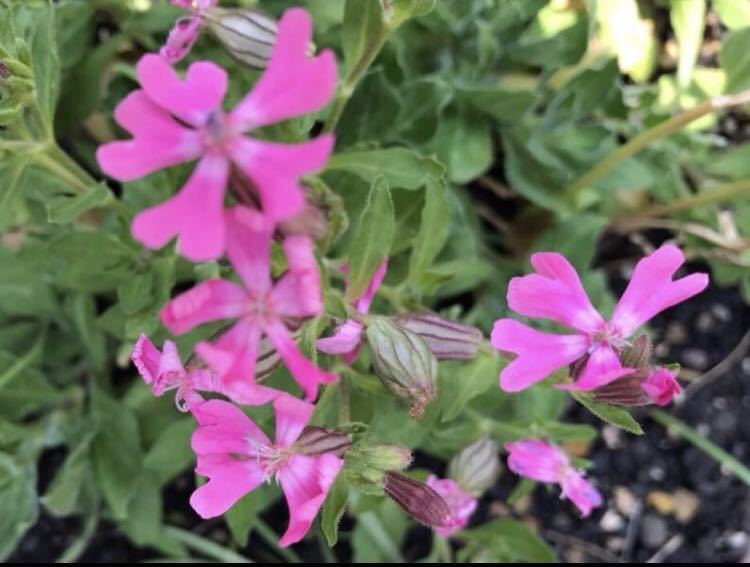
{"x": 638, "y": 354}
{"x": 369, "y": 463}
{"x": 448, "y": 340}
{"x": 314, "y": 441}
{"x": 476, "y": 467}
{"x": 418, "y": 500}
{"x": 404, "y": 363}
{"x": 247, "y": 35}
{"x": 625, "y": 391}
{"x": 4, "y": 71}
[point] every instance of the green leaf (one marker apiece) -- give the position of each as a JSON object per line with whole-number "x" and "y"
{"x": 630, "y": 36}
{"x": 464, "y": 143}
{"x": 688, "y": 22}
{"x": 402, "y": 168}
{"x": 18, "y": 501}
{"x": 510, "y": 539}
{"x": 171, "y": 453}
{"x": 734, "y": 14}
{"x": 402, "y": 10}
{"x": 460, "y": 382}
{"x": 735, "y": 59}
{"x": 362, "y": 19}
{"x": 372, "y": 241}
{"x": 243, "y": 515}
{"x": 65, "y": 209}
{"x": 116, "y": 452}
{"x": 433, "y": 232}
{"x": 615, "y": 415}
{"x": 62, "y": 496}
{"x": 333, "y": 509}
{"x": 11, "y": 190}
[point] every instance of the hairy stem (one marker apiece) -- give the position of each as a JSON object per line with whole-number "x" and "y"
{"x": 720, "y": 193}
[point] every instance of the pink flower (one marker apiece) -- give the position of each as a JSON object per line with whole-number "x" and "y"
{"x": 163, "y": 371}
{"x": 556, "y": 293}
{"x": 347, "y": 339}
{"x": 462, "y": 504}
{"x": 174, "y": 121}
{"x": 259, "y": 305}
{"x": 237, "y": 457}
{"x": 661, "y": 386}
{"x": 543, "y": 462}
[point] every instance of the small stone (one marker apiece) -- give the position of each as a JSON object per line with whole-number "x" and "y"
{"x": 661, "y": 350}
{"x": 577, "y": 448}
{"x": 612, "y": 436}
{"x": 721, "y": 312}
{"x": 625, "y": 502}
{"x": 746, "y": 365}
{"x": 653, "y": 531}
{"x": 720, "y": 404}
{"x": 686, "y": 505}
{"x": 575, "y": 555}
{"x": 615, "y": 544}
{"x": 695, "y": 358}
{"x": 676, "y": 333}
{"x": 663, "y": 502}
{"x": 738, "y": 540}
{"x": 656, "y": 473}
{"x": 704, "y": 322}
{"x": 611, "y": 521}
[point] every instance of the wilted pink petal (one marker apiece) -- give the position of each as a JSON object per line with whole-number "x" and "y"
{"x": 652, "y": 290}
{"x": 539, "y": 354}
{"x": 194, "y": 215}
{"x": 544, "y": 462}
{"x": 602, "y": 367}
{"x": 276, "y": 169}
{"x": 306, "y": 482}
{"x": 293, "y": 83}
{"x": 344, "y": 340}
{"x": 191, "y": 100}
{"x": 580, "y": 492}
{"x": 181, "y": 39}
{"x": 208, "y": 301}
{"x": 462, "y": 504}
{"x": 162, "y": 370}
{"x": 555, "y": 293}
{"x": 362, "y": 303}
{"x": 661, "y": 386}
{"x": 307, "y": 375}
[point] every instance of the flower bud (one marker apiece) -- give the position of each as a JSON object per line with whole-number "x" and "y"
{"x": 247, "y": 35}
{"x": 476, "y": 467}
{"x": 314, "y": 441}
{"x": 448, "y": 340}
{"x": 625, "y": 391}
{"x": 418, "y": 500}
{"x": 369, "y": 463}
{"x": 638, "y": 354}
{"x": 404, "y": 363}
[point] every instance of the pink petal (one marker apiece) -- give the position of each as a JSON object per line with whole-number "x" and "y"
{"x": 651, "y": 289}
{"x": 229, "y": 480}
{"x": 539, "y": 354}
{"x": 276, "y": 169}
{"x": 224, "y": 428}
{"x": 210, "y": 300}
{"x": 194, "y": 215}
{"x": 537, "y": 460}
{"x": 234, "y": 354}
{"x": 602, "y": 367}
{"x": 293, "y": 83}
{"x": 297, "y": 292}
{"x": 580, "y": 492}
{"x": 249, "y": 394}
{"x": 249, "y": 247}
{"x": 307, "y": 375}
{"x": 306, "y": 482}
{"x": 146, "y": 358}
{"x": 158, "y": 140}
{"x": 191, "y": 100}
{"x": 554, "y": 293}
{"x": 661, "y": 386}
{"x": 462, "y": 504}
{"x": 362, "y": 304}
{"x": 181, "y": 39}
{"x": 292, "y": 416}
{"x": 345, "y": 339}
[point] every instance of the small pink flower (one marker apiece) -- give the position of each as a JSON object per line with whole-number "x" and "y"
{"x": 236, "y": 456}
{"x": 556, "y": 293}
{"x": 173, "y": 121}
{"x": 544, "y": 462}
{"x": 163, "y": 371}
{"x": 259, "y": 305}
{"x": 661, "y": 386}
{"x": 347, "y": 339}
{"x": 462, "y": 504}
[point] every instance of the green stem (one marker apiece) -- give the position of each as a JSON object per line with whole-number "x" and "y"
{"x": 643, "y": 139}
{"x": 344, "y": 400}
{"x": 272, "y": 539}
{"x": 327, "y": 552}
{"x": 704, "y": 444}
{"x": 723, "y": 192}
{"x": 355, "y": 74}
{"x": 205, "y": 546}
{"x": 76, "y": 549}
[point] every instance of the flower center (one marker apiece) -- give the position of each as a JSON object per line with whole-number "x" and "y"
{"x": 270, "y": 457}
{"x": 217, "y": 133}
{"x": 259, "y": 309}
{"x": 609, "y": 336}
